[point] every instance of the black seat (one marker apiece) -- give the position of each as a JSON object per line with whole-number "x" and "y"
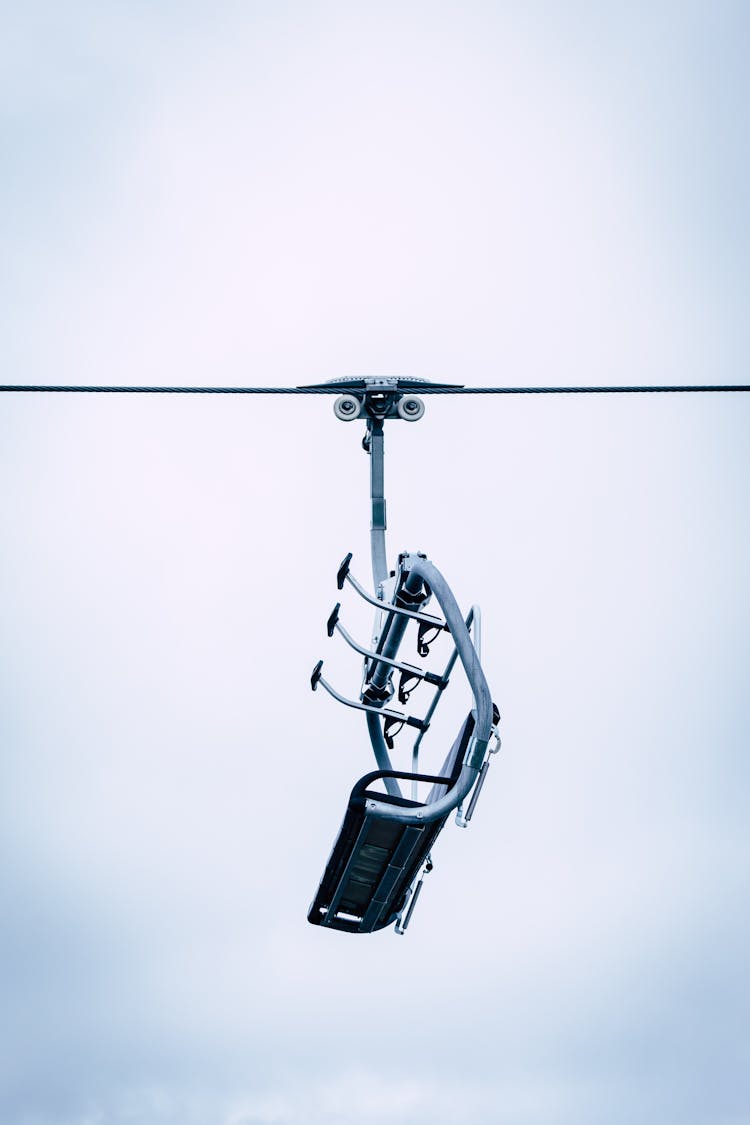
{"x": 376, "y": 859}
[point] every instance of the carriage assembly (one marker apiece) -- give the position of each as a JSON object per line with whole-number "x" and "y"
{"x": 383, "y": 851}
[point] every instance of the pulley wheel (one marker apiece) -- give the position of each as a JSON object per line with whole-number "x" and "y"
{"x": 347, "y": 408}
{"x": 410, "y": 408}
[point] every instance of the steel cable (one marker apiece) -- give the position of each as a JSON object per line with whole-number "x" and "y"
{"x": 337, "y": 389}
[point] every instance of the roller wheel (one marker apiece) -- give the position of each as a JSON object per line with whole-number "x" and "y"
{"x": 410, "y": 408}
{"x": 347, "y": 408}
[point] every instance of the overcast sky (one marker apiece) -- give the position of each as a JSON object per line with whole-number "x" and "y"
{"x": 285, "y": 193}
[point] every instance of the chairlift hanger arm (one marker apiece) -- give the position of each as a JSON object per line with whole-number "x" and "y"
{"x": 378, "y": 524}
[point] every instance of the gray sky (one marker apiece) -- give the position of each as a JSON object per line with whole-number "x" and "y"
{"x": 479, "y": 193}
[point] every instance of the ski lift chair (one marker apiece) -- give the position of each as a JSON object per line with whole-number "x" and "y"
{"x": 385, "y": 839}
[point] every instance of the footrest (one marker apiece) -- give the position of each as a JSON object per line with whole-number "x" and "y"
{"x": 374, "y": 860}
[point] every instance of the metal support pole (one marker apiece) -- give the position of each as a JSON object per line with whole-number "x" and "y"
{"x": 377, "y": 500}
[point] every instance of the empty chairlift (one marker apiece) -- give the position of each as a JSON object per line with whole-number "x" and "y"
{"x": 393, "y": 817}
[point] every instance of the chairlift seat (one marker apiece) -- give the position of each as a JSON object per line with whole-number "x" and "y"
{"x": 376, "y": 859}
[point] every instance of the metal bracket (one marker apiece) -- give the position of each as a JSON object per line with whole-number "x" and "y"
{"x": 401, "y": 926}
{"x": 408, "y": 720}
